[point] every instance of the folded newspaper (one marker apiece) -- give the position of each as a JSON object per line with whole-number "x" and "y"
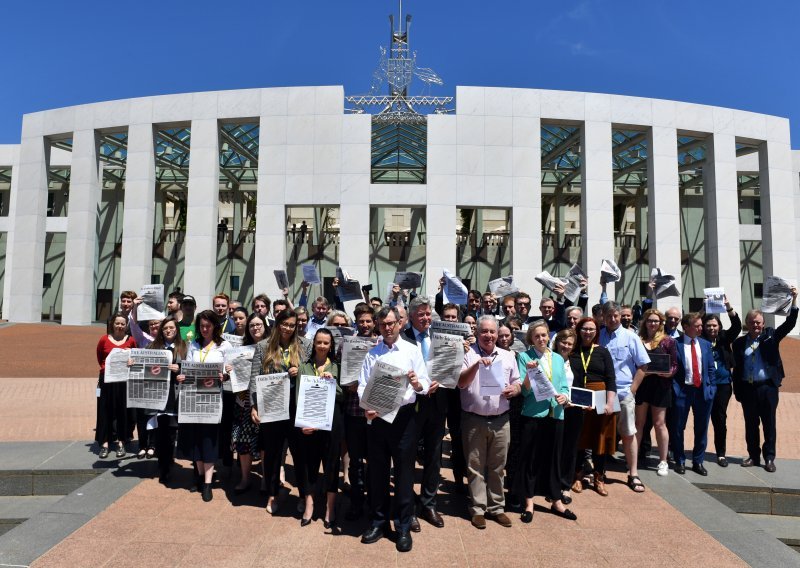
{"x": 665, "y": 283}
{"x": 777, "y": 296}
{"x": 502, "y": 287}
{"x": 610, "y": 271}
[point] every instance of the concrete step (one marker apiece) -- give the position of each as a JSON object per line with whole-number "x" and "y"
{"x": 786, "y": 529}
{"x": 17, "y": 510}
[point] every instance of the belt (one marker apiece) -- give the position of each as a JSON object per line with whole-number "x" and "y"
{"x": 489, "y": 417}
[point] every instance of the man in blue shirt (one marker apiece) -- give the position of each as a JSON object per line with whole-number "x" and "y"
{"x": 630, "y": 360}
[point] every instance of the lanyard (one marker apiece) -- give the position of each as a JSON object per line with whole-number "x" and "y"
{"x": 286, "y": 358}
{"x": 324, "y": 366}
{"x": 587, "y": 360}
{"x": 548, "y": 370}
{"x": 205, "y": 351}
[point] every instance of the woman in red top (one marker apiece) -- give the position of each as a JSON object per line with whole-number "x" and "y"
{"x": 112, "y": 410}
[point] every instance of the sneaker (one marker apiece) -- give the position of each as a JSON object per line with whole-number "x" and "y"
{"x": 663, "y": 469}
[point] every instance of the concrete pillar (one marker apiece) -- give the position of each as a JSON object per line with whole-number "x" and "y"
{"x": 138, "y": 221}
{"x": 526, "y": 214}
{"x": 27, "y": 249}
{"x": 778, "y": 235}
{"x": 440, "y": 251}
{"x": 721, "y": 205}
{"x": 663, "y": 206}
{"x": 200, "y": 273}
{"x": 80, "y": 258}
{"x": 597, "y": 203}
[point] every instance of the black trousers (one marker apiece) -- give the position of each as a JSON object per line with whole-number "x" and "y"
{"x": 273, "y": 436}
{"x": 386, "y": 444}
{"x": 573, "y": 424}
{"x": 226, "y": 428}
{"x": 430, "y": 429}
{"x": 719, "y": 418}
{"x": 146, "y": 438}
{"x": 356, "y": 435}
{"x": 759, "y": 404}
{"x": 321, "y": 447}
{"x": 457, "y": 459}
{"x": 165, "y": 442}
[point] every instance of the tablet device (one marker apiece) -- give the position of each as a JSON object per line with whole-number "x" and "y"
{"x": 659, "y": 363}
{"x": 581, "y": 397}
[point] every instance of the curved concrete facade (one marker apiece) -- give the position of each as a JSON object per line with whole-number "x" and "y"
{"x": 486, "y": 155}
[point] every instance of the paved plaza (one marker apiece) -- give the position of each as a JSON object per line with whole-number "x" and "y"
{"x": 123, "y": 516}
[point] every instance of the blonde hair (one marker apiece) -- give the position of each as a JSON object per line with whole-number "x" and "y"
{"x": 273, "y": 354}
{"x": 659, "y": 335}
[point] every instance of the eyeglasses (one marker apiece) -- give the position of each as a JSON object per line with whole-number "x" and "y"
{"x": 524, "y": 304}
{"x": 256, "y": 325}
{"x": 389, "y": 324}
{"x": 288, "y": 325}
{"x": 588, "y": 330}
{"x": 658, "y": 322}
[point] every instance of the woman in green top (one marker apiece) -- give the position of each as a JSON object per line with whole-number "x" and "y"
{"x": 321, "y": 446}
{"x": 542, "y": 425}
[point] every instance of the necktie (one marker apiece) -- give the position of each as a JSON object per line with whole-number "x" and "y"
{"x": 425, "y": 344}
{"x": 695, "y": 365}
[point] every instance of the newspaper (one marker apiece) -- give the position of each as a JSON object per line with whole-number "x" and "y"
{"x": 117, "y": 366}
{"x": 451, "y": 328}
{"x": 715, "y": 300}
{"x": 549, "y": 281}
{"x": 491, "y": 379}
{"x": 200, "y": 400}
{"x": 152, "y": 306}
{"x": 610, "y": 271}
{"x": 241, "y": 359}
{"x": 447, "y": 357}
{"x": 385, "y": 390}
{"x": 453, "y": 291}
{"x": 354, "y": 351}
{"x": 502, "y": 287}
{"x": 234, "y": 340}
{"x": 315, "y": 402}
{"x": 575, "y": 277}
{"x": 665, "y": 283}
{"x": 272, "y": 397}
{"x": 281, "y": 279}
{"x": 149, "y": 378}
{"x": 349, "y": 289}
{"x": 408, "y": 280}
{"x": 776, "y": 296}
{"x": 541, "y": 386}
{"x": 310, "y": 274}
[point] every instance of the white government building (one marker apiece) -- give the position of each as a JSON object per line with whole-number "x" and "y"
{"x": 177, "y": 189}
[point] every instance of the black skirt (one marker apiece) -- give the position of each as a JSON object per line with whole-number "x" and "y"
{"x": 199, "y": 442}
{"x": 655, "y": 391}
{"x": 112, "y": 412}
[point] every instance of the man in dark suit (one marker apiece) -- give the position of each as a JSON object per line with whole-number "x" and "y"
{"x": 757, "y": 376}
{"x": 693, "y": 389}
{"x": 431, "y": 415}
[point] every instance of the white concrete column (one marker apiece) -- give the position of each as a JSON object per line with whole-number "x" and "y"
{"x": 13, "y": 161}
{"x": 80, "y": 257}
{"x": 27, "y": 250}
{"x": 663, "y": 206}
{"x": 526, "y": 214}
{"x": 440, "y": 250}
{"x": 721, "y": 205}
{"x": 778, "y": 234}
{"x": 597, "y": 203}
{"x": 354, "y": 210}
{"x": 139, "y": 208}
{"x": 270, "y": 247}
{"x": 200, "y": 273}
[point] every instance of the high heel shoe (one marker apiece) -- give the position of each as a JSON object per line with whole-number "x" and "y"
{"x": 305, "y": 522}
{"x": 329, "y": 524}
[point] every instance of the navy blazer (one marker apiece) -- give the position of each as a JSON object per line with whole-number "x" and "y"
{"x": 707, "y": 373}
{"x": 768, "y": 347}
{"x": 438, "y": 398}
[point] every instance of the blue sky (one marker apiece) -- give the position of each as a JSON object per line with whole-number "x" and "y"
{"x": 733, "y": 53}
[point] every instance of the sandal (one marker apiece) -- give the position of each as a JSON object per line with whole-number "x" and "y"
{"x": 577, "y": 485}
{"x": 600, "y": 484}
{"x": 635, "y": 484}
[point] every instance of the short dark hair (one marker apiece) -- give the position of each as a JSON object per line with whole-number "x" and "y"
{"x": 263, "y": 298}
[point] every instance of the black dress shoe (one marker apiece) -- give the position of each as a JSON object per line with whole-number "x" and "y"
{"x": 722, "y": 461}
{"x": 373, "y": 534}
{"x": 565, "y": 514}
{"x": 433, "y": 517}
{"x": 305, "y": 522}
{"x": 770, "y": 466}
{"x": 403, "y": 541}
{"x": 750, "y": 462}
{"x": 680, "y": 468}
{"x": 566, "y": 499}
{"x": 415, "y": 524}
{"x": 207, "y": 494}
{"x": 699, "y": 469}
{"x": 526, "y": 517}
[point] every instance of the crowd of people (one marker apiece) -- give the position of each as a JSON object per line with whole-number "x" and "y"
{"x": 505, "y": 449}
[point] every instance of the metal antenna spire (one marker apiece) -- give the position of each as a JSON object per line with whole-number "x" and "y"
{"x": 397, "y": 67}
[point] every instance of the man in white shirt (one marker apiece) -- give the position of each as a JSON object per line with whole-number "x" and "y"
{"x": 394, "y": 441}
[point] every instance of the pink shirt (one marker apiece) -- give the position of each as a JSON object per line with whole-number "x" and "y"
{"x": 471, "y": 400}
